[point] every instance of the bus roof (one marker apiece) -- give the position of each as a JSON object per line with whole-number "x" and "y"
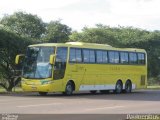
{"x": 88, "y": 45}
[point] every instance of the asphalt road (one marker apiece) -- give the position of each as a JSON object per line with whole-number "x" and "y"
{"x": 138, "y": 102}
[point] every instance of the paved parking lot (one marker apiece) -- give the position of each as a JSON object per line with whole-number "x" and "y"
{"x": 144, "y": 101}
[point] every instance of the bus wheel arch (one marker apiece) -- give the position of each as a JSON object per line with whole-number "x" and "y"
{"x": 119, "y": 86}
{"x": 128, "y": 86}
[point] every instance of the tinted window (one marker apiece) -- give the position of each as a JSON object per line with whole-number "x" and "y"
{"x": 75, "y": 55}
{"x": 61, "y": 54}
{"x": 133, "y": 58}
{"x": 91, "y": 56}
{"x": 85, "y": 55}
{"x": 124, "y": 57}
{"x": 101, "y": 56}
{"x": 78, "y": 55}
{"x": 113, "y": 56}
{"x": 72, "y": 55}
{"x": 60, "y": 64}
{"x": 105, "y": 57}
{"x": 141, "y": 58}
{"x": 88, "y": 56}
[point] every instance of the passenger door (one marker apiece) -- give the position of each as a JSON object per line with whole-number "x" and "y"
{"x": 60, "y": 67}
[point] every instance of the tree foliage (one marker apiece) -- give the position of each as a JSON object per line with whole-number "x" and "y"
{"x": 94, "y": 35}
{"x": 24, "y": 24}
{"x": 10, "y": 46}
{"x": 57, "y": 32}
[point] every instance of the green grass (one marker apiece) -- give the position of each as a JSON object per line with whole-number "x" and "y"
{"x": 154, "y": 87}
{"x": 17, "y": 89}
{"x": 2, "y": 90}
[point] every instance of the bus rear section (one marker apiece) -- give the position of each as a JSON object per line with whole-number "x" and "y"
{"x": 103, "y": 70}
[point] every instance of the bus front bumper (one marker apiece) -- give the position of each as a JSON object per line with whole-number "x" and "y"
{"x": 37, "y": 86}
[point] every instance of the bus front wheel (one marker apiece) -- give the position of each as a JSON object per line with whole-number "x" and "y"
{"x": 69, "y": 89}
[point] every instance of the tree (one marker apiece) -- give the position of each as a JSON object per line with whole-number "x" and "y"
{"x": 24, "y": 24}
{"x": 99, "y": 35}
{"x": 10, "y": 46}
{"x": 57, "y": 32}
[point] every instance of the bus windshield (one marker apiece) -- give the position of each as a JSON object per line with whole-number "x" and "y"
{"x": 36, "y": 64}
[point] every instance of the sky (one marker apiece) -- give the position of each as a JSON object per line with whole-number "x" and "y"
{"x": 144, "y": 14}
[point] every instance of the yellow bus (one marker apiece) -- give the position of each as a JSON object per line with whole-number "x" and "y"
{"x": 78, "y": 66}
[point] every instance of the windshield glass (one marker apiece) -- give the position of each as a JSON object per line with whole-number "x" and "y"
{"x": 36, "y": 63}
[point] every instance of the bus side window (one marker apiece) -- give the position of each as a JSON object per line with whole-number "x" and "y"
{"x": 133, "y": 58}
{"x": 89, "y": 56}
{"x": 92, "y": 56}
{"x": 99, "y": 56}
{"x": 124, "y": 57}
{"x": 105, "y": 56}
{"x": 72, "y": 55}
{"x": 86, "y": 55}
{"x": 78, "y": 55}
{"x": 141, "y": 58}
{"x": 75, "y": 55}
{"x": 113, "y": 57}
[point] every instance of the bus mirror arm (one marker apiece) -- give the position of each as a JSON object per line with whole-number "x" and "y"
{"x": 52, "y": 59}
{"x": 19, "y": 58}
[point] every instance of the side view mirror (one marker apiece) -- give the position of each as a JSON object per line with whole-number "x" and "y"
{"x": 19, "y": 59}
{"x": 52, "y": 59}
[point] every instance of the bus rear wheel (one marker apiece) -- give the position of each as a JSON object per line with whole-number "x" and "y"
{"x": 128, "y": 87}
{"x": 69, "y": 89}
{"x": 119, "y": 87}
{"x": 43, "y": 93}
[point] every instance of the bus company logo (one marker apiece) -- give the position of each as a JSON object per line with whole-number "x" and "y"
{"x": 9, "y": 117}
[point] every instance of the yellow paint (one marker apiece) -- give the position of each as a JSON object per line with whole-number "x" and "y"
{"x": 17, "y": 59}
{"x": 90, "y": 74}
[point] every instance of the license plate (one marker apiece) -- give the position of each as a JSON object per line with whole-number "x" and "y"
{"x": 34, "y": 88}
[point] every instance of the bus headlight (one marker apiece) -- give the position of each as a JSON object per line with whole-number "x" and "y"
{"x": 46, "y": 82}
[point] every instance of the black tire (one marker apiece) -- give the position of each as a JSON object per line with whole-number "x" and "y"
{"x": 118, "y": 87}
{"x": 128, "y": 87}
{"x": 93, "y": 91}
{"x": 43, "y": 93}
{"x": 68, "y": 89}
{"x": 104, "y": 91}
